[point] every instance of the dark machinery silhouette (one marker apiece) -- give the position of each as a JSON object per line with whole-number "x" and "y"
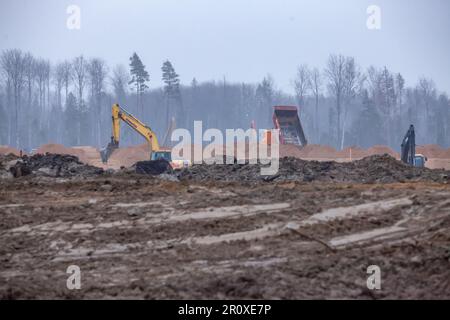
{"x": 408, "y": 150}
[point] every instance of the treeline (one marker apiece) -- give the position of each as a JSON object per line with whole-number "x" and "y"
{"x": 69, "y": 102}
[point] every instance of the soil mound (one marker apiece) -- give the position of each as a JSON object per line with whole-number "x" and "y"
{"x": 52, "y": 165}
{"x": 372, "y": 169}
{"x": 128, "y": 156}
{"x": 380, "y": 150}
{"x": 433, "y": 151}
{"x": 8, "y": 150}
{"x": 153, "y": 167}
{"x": 351, "y": 153}
{"x": 318, "y": 151}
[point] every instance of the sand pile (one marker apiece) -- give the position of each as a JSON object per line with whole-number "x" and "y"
{"x": 378, "y": 149}
{"x": 55, "y": 148}
{"x": 318, "y": 151}
{"x": 351, "y": 152}
{"x": 127, "y": 156}
{"x": 87, "y": 154}
{"x": 433, "y": 151}
{"x": 289, "y": 150}
{"x": 8, "y": 150}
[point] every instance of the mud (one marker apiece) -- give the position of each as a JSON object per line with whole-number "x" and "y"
{"x": 143, "y": 237}
{"x": 223, "y": 232}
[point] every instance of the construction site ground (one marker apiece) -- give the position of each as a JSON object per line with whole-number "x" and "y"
{"x": 203, "y": 233}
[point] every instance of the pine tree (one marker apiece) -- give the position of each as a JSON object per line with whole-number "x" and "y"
{"x": 171, "y": 88}
{"x": 139, "y": 77}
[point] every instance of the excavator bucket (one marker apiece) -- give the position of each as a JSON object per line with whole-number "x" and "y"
{"x": 105, "y": 153}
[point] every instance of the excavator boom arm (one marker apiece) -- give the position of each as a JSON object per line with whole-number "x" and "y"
{"x": 119, "y": 114}
{"x": 408, "y": 147}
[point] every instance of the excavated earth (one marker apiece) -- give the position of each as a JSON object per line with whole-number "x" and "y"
{"x": 210, "y": 232}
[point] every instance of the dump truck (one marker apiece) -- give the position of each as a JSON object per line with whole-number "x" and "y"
{"x": 286, "y": 119}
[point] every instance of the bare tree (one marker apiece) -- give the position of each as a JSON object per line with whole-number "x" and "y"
{"x": 66, "y": 70}
{"x": 335, "y": 72}
{"x": 42, "y": 72}
{"x": 352, "y": 83}
{"x": 316, "y": 86}
{"x": 399, "y": 88}
{"x": 428, "y": 90}
{"x": 29, "y": 63}
{"x": 48, "y": 72}
{"x": 59, "y": 83}
{"x": 12, "y": 64}
{"x": 79, "y": 74}
{"x": 119, "y": 80}
{"x": 97, "y": 74}
{"x": 302, "y": 84}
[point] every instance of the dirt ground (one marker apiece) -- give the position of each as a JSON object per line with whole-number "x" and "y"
{"x": 184, "y": 236}
{"x": 437, "y": 157}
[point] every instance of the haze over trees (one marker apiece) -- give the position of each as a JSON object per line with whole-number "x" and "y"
{"x": 344, "y": 104}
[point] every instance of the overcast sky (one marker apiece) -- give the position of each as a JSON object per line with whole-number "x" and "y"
{"x": 241, "y": 40}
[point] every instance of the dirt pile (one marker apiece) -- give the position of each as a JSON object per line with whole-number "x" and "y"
{"x": 318, "y": 151}
{"x": 9, "y": 150}
{"x": 155, "y": 167}
{"x": 373, "y": 169}
{"x": 51, "y": 165}
{"x": 6, "y": 162}
{"x": 55, "y": 148}
{"x": 128, "y": 156}
{"x": 352, "y": 153}
{"x": 433, "y": 151}
{"x": 378, "y": 149}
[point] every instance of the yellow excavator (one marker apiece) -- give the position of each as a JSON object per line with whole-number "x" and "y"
{"x": 156, "y": 152}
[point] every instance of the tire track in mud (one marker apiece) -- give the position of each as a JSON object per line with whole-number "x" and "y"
{"x": 236, "y": 243}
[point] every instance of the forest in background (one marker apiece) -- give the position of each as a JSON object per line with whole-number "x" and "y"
{"x": 343, "y": 104}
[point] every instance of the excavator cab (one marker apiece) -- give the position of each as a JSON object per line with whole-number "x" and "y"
{"x": 166, "y": 155}
{"x": 419, "y": 160}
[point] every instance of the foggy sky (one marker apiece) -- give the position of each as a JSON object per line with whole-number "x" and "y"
{"x": 241, "y": 40}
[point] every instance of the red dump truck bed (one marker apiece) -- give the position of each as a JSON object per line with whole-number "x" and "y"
{"x": 285, "y": 118}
